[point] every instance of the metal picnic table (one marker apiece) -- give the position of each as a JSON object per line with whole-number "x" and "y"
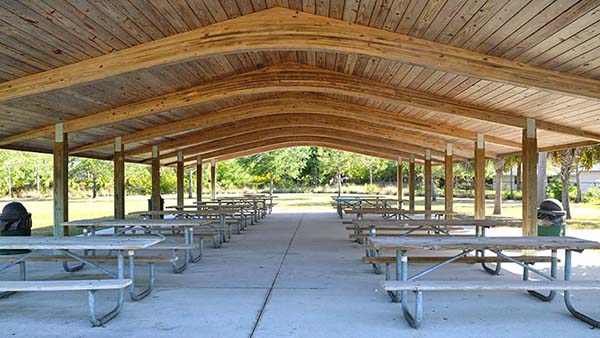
{"x": 148, "y": 226}
{"x": 44, "y": 246}
{"x": 404, "y": 245}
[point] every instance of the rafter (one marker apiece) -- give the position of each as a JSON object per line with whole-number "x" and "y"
{"x": 292, "y": 77}
{"x": 339, "y": 124}
{"x": 285, "y": 29}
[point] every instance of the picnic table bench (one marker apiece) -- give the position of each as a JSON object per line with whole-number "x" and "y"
{"x": 398, "y": 288}
{"x": 40, "y": 246}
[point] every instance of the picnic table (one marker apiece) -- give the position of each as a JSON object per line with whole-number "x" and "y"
{"x": 398, "y": 289}
{"x": 43, "y": 246}
{"x": 153, "y": 227}
{"x": 358, "y": 202}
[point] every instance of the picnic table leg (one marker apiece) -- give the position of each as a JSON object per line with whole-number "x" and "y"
{"x": 22, "y": 275}
{"x": 581, "y": 316}
{"x": 174, "y": 267}
{"x": 373, "y": 252}
{"x": 190, "y": 240}
{"x": 93, "y": 318}
{"x": 553, "y": 272}
{"x": 132, "y": 293}
{"x": 481, "y": 253}
{"x": 413, "y": 320}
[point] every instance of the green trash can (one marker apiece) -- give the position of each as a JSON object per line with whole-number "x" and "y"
{"x": 551, "y": 218}
{"x": 14, "y": 221}
{"x": 552, "y": 230}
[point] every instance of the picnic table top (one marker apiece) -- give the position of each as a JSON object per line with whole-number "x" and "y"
{"x": 398, "y": 211}
{"x": 436, "y": 222}
{"x": 483, "y": 243}
{"x": 75, "y": 243}
{"x": 183, "y": 212}
{"x": 138, "y": 222}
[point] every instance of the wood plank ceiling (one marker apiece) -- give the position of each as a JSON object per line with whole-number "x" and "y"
{"x": 562, "y": 35}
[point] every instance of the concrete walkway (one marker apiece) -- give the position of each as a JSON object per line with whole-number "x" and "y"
{"x": 296, "y": 275}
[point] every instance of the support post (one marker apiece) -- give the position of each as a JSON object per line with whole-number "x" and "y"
{"x": 119, "y": 179}
{"x": 427, "y": 182}
{"x": 411, "y": 182}
{"x": 155, "y": 179}
{"x": 449, "y": 181}
{"x": 480, "y": 177}
{"x": 199, "y": 179}
{"x": 61, "y": 181}
{"x": 399, "y": 174}
{"x": 530, "y": 158}
{"x": 213, "y": 179}
{"x": 180, "y": 172}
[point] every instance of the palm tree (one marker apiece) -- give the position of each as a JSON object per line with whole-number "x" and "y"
{"x": 566, "y": 159}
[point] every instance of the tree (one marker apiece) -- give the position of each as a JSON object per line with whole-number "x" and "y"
{"x": 499, "y": 166}
{"x": 335, "y": 164}
{"x": 566, "y": 160}
{"x": 585, "y": 158}
{"x": 510, "y": 164}
{"x": 277, "y": 164}
{"x": 542, "y": 178}
{"x": 91, "y": 172}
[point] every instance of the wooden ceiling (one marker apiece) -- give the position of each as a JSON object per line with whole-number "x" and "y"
{"x": 231, "y": 77}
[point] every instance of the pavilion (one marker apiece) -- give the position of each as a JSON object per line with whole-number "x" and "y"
{"x": 183, "y": 83}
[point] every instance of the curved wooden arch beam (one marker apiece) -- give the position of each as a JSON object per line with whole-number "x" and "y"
{"x": 232, "y": 154}
{"x": 293, "y": 77}
{"x": 295, "y": 141}
{"x": 251, "y": 137}
{"x": 284, "y": 29}
{"x": 341, "y": 124}
{"x": 301, "y": 131}
{"x": 296, "y": 103}
{"x": 388, "y": 146}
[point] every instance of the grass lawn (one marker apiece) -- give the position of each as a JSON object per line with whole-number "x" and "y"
{"x": 584, "y": 215}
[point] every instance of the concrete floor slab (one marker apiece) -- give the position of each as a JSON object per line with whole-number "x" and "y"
{"x": 298, "y": 275}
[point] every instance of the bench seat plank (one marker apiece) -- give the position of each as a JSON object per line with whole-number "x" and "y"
{"x": 467, "y": 259}
{"x": 64, "y": 285}
{"x": 489, "y": 285}
{"x": 96, "y": 259}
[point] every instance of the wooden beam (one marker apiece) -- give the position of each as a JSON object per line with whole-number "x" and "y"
{"x": 412, "y": 180}
{"x": 580, "y": 144}
{"x": 296, "y": 140}
{"x": 288, "y": 103}
{"x": 480, "y": 177}
{"x": 292, "y": 77}
{"x": 213, "y": 179}
{"x": 449, "y": 181}
{"x": 180, "y": 170}
{"x": 286, "y": 29}
{"x": 199, "y": 178}
{"x": 119, "y": 179}
{"x": 427, "y": 180}
{"x": 266, "y": 135}
{"x": 530, "y": 158}
{"x": 399, "y": 179}
{"x": 60, "y": 184}
{"x": 155, "y": 168}
{"x": 313, "y": 122}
